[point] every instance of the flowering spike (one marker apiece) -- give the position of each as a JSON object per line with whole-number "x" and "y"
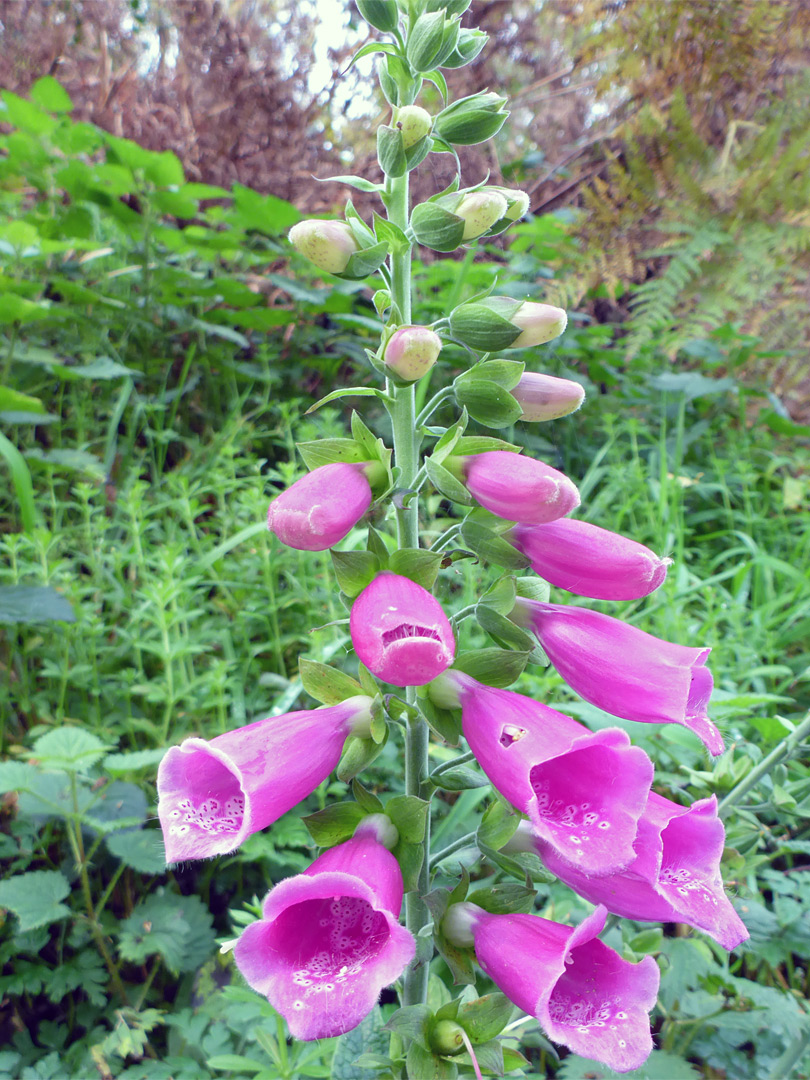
{"x": 674, "y": 878}
{"x": 400, "y": 631}
{"x": 545, "y": 397}
{"x": 585, "y": 996}
{"x": 590, "y": 561}
{"x": 317, "y": 511}
{"x": 583, "y": 791}
{"x": 327, "y": 244}
{"x": 213, "y": 795}
{"x": 518, "y": 488}
{"x": 328, "y": 940}
{"x": 624, "y": 670}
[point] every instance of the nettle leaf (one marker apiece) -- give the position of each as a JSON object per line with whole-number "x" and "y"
{"x": 69, "y": 748}
{"x": 367, "y": 1038}
{"x": 177, "y": 928}
{"x": 335, "y": 823}
{"x": 133, "y": 761}
{"x": 116, "y": 806}
{"x": 32, "y": 604}
{"x": 660, "y": 1065}
{"x": 35, "y": 897}
{"x": 326, "y": 684}
{"x": 140, "y": 849}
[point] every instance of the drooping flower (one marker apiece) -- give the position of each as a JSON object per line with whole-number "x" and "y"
{"x": 327, "y": 244}
{"x": 590, "y": 561}
{"x": 584, "y": 995}
{"x": 328, "y": 940}
{"x": 583, "y": 791}
{"x": 411, "y": 351}
{"x": 517, "y": 488}
{"x": 400, "y": 631}
{"x": 213, "y": 794}
{"x": 624, "y": 670}
{"x": 320, "y": 509}
{"x": 675, "y": 876}
{"x": 546, "y": 397}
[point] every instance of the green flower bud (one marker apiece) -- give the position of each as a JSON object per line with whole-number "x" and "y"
{"x": 437, "y": 227}
{"x": 472, "y": 119}
{"x": 497, "y": 322}
{"x": 517, "y": 201}
{"x": 431, "y": 41}
{"x": 328, "y": 244}
{"x": 414, "y": 123}
{"x": 469, "y": 45}
{"x": 447, "y": 1038}
{"x": 381, "y": 14}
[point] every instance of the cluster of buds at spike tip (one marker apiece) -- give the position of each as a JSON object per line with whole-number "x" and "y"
{"x": 498, "y": 322}
{"x": 411, "y": 352}
{"x": 320, "y": 509}
{"x": 432, "y": 40}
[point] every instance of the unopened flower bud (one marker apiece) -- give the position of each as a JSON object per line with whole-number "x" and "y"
{"x": 327, "y": 244}
{"x": 479, "y": 210}
{"x": 517, "y": 201}
{"x": 471, "y": 119}
{"x": 452, "y": 7}
{"x": 412, "y": 351}
{"x": 539, "y": 323}
{"x": 381, "y": 14}
{"x": 414, "y": 124}
{"x": 458, "y": 923}
{"x": 469, "y": 45}
{"x": 447, "y": 1037}
{"x": 431, "y": 40}
{"x": 545, "y": 397}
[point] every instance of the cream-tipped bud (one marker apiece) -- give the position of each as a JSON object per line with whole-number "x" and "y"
{"x": 414, "y": 124}
{"x": 479, "y": 210}
{"x": 327, "y": 244}
{"x": 381, "y": 828}
{"x": 411, "y": 352}
{"x": 458, "y": 923}
{"x": 545, "y": 397}
{"x": 538, "y": 323}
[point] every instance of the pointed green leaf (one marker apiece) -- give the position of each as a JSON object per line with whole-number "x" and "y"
{"x": 354, "y": 570}
{"x": 326, "y": 684}
{"x": 35, "y": 898}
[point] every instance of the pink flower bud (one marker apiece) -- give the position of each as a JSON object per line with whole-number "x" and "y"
{"x": 479, "y": 210}
{"x": 539, "y": 323}
{"x": 545, "y": 397}
{"x": 317, "y": 511}
{"x": 590, "y": 561}
{"x": 412, "y": 351}
{"x": 519, "y": 488}
{"x": 327, "y": 244}
{"x": 414, "y": 123}
{"x": 400, "y": 631}
{"x": 328, "y": 940}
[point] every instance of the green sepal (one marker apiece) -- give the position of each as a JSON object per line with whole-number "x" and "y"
{"x": 378, "y": 728}
{"x": 493, "y": 667}
{"x": 428, "y": 1066}
{"x": 488, "y": 403}
{"x": 431, "y": 40}
{"x": 377, "y": 546}
{"x": 416, "y": 154}
{"x": 410, "y": 858}
{"x": 469, "y": 45}
{"x": 363, "y": 435}
{"x": 327, "y": 451}
{"x": 397, "y": 708}
{"x": 409, "y": 814}
{"x": 500, "y": 596}
{"x": 381, "y": 301}
{"x": 391, "y": 234}
{"x": 450, "y": 439}
{"x": 357, "y": 755}
{"x": 354, "y": 570}
{"x": 458, "y": 959}
{"x": 492, "y": 548}
{"x": 445, "y": 723}
{"x": 366, "y": 262}
{"x": 445, "y": 483}
{"x": 489, "y": 1056}
{"x": 418, "y": 564}
{"x": 366, "y": 799}
{"x": 504, "y": 899}
{"x": 485, "y": 1017}
{"x": 437, "y": 228}
{"x": 358, "y": 182}
{"x": 459, "y": 778}
{"x": 503, "y": 630}
{"x": 326, "y": 684}
{"x": 469, "y": 445}
{"x": 533, "y": 588}
{"x": 498, "y": 824}
{"x": 367, "y": 681}
{"x": 485, "y": 326}
{"x": 505, "y": 373}
{"x": 391, "y": 151}
{"x": 523, "y": 865}
{"x": 334, "y": 824}
{"x": 411, "y": 1022}
{"x": 383, "y": 15}
{"x": 396, "y": 81}
{"x": 452, "y": 7}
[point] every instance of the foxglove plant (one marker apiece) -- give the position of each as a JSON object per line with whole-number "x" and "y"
{"x": 329, "y": 939}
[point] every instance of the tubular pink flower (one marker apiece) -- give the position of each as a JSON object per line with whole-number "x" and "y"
{"x": 590, "y": 561}
{"x": 545, "y": 397}
{"x": 519, "y": 488}
{"x": 328, "y": 940}
{"x": 583, "y": 791}
{"x": 400, "y": 631}
{"x": 213, "y": 795}
{"x": 624, "y": 670}
{"x": 317, "y": 511}
{"x": 674, "y": 878}
{"x": 585, "y": 996}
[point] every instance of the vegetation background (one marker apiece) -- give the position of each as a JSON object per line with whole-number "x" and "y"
{"x": 160, "y": 347}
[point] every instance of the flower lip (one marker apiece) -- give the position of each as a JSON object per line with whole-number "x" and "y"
{"x": 407, "y": 631}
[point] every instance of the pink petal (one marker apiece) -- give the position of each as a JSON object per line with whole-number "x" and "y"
{"x": 519, "y": 488}
{"x": 318, "y": 510}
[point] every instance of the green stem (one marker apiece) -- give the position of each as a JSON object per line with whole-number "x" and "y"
{"x": 785, "y": 749}
{"x": 457, "y": 845}
{"x": 406, "y": 457}
{"x": 437, "y": 399}
{"x": 447, "y": 765}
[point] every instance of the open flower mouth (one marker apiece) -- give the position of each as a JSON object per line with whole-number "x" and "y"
{"x": 405, "y": 631}
{"x": 202, "y": 806}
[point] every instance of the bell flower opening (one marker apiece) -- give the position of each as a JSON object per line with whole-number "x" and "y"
{"x": 518, "y": 488}
{"x": 329, "y": 940}
{"x": 320, "y": 509}
{"x": 213, "y": 794}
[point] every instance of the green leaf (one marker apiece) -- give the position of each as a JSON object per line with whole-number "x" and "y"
{"x": 354, "y": 570}
{"x": 263, "y": 213}
{"x": 120, "y": 764}
{"x": 177, "y": 928}
{"x": 660, "y": 1065}
{"x": 79, "y": 460}
{"x": 235, "y": 1063}
{"x": 409, "y": 814}
{"x": 448, "y": 485}
{"x": 327, "y": 684}
{"x": 325, "y": 451}
{"x": 411, "y": 1022}
{"x": 14, "y": 401}
{"x": 335, "y": 823}
{"x": 24, "y": 490}
{"x": 504, "y": 899}
{"x": 358, "y": 182}
{"x": 494, "y": 667}
{"x": 491, "y": 547}
{"x": 417, "y": 564}
{"x": 367, "y": 1038}
{"x": 459, "y": 778}
{"x": 348, "y": 391}
{"x": 25, "y": 115}
{"x": 16, "y": 776}
{"x": 33, "y": 604}
{"x": 35, "y": 897}
{"x": 49, "y": 95}
{"x": 69, "y": 748}
{"x": 102, "y": 368}
{"x": 141, "y": 849}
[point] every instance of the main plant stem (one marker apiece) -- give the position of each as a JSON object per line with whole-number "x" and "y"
{"x": 406, "y": 457}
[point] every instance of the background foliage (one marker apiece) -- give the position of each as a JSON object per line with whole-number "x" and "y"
{"x": 156, "y": 358}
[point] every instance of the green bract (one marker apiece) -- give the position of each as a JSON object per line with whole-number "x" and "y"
{"x": 381, "y": 14}
{"x": 472, "y": 119}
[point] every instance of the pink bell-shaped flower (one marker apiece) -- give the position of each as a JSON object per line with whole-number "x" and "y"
{"x": 328, "y": 940}
{"x": 400, "y": 631}
{"x": 590, "y": 561}
{"x": 583, "y": 791}
{"x": 213, "y": 795}
{"x": 518, "y": 488}
{"x": 317, "y": 511}
{"x": 584, "y": 995}
{"x": 674, "y": 878}
{"x": 624, "y": 670}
